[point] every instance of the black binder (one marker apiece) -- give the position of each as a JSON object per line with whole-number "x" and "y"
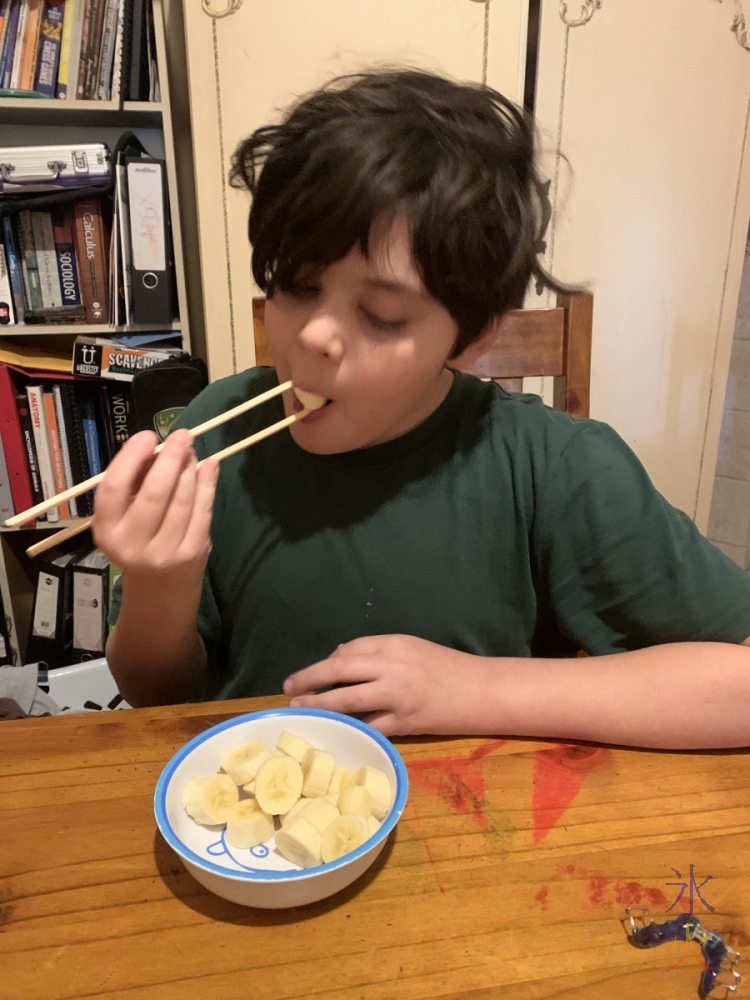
{"x": 50, "y": 636}
{"x": 150, "y": 245}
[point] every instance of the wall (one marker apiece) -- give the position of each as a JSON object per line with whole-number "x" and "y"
{"x": 729, "y": 523}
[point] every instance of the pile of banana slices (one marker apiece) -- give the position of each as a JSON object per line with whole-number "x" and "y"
{"x": 323, "y": 811}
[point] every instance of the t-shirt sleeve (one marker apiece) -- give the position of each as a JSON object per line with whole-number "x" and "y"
{"x": 622, "y": 568}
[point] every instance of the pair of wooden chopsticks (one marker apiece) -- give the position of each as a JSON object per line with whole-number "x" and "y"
{"x": 232, "y": 449}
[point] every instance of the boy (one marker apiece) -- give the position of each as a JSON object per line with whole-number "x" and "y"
{"x": 426, "y": 550}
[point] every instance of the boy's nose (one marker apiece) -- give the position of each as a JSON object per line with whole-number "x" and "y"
{"x": 322, "y": 333}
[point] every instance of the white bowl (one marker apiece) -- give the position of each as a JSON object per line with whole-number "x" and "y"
{"x": 260, "y": 876}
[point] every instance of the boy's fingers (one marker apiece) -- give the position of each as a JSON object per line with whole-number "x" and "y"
{"x": 338, "y": 669}
{"x": 199, "y": 528}
{"x": 124, "y": 473}
{"x": 354, "y": 699}
{"x": 148, "y": 508}
{"x": 171, "y": 532}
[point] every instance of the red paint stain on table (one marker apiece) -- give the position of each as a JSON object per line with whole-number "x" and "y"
{"x": 609, "y": 893}
{"x": 459, "y": 781}
{"x": 541, "y": 897}
{"x": 559, "y": 775}
{"x": 418, "y": 827}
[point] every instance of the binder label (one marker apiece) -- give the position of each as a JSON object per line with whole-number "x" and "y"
{"x": 45, "y": 611}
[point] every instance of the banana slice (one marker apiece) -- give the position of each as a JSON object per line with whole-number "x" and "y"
{"x": 341, "y": 778}
{"x": 377, "y": 784}
{"x": 373, "y": 825}
{"x": 310, "y": 400}
{"x": 299, "y": 842}
{"x": 317, "y": 768}
{"x": 209, "y": 799}
{"x": 318, "y": 813}
{"x": 248, "y": 825}
{"x": 355, "y": 801}
{"x": 278, "y": 785}
{"x": 293, "y": 746}
{"x": 344, "y": 834}
{"x": 249, "y": 788}
{"x": 298, "y": 806}
{"x": 242, "y": 763}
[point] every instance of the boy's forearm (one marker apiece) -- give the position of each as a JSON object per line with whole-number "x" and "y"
{"x": 155, "y": 651}
{"x": 675, "y": 696}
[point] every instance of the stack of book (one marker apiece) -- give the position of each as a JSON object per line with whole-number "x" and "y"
{"x": 78, "y": 49}
{"x": 71, "y": 605}
{"x": 99, "y": 260}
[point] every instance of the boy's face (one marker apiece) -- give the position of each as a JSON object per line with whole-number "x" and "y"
{"x": 367, "y": 336}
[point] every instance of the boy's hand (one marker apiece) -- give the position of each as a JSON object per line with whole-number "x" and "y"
{"x": 399, "y": 684}
{"x": 153, "y": 514}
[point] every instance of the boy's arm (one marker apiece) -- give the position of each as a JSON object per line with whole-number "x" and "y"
{"x": 155, "y": 651}
{"x": 689, "y": 695}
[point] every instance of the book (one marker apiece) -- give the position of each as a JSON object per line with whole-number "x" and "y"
{"x": 66, "y": 43}
{"x": 7, "y": 305}
{"x": 6, "y": 493}
{"x": 93, "y": 49}
{"x": 50, "y": 43}
{"x": 30, "y": 45}
{"x": 4, "y": 12}
{"x": 67, "y": 267}
{"x": 33, "y": 299}
{"x": 9, "y": 43}
{"x": 31, "y": 467}
{"x": 103, "y": 358}
{"x": 46, "y": 259}
{"x": 107, "y": 51}
{"x": 75, "y": 51}
{"x": 14, "y": 267}
{"x": 79, "y": 461}
{"x": 80, "y": 64}
{"x": 58, "y": 470}
{"x": 115, "y": 397}
{"x": 90, "y": 432}
{"x": 90, "y": 239}
{"x": 117, "y": 64}
{"x": 35, "y": 396}
{"x": 64, "y": 433}
{"x": 15, "y": 73}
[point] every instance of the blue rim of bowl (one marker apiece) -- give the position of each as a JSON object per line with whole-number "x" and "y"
{"x": 160, "y": 797}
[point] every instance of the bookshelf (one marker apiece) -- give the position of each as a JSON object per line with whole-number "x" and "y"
{"x": 31, "y": 121}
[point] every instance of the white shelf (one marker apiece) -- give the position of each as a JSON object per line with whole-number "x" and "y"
{"x": 81, "y": 329}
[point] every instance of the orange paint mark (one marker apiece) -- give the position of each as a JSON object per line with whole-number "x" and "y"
{"x": 558, "y": 777}
{"x": 459, "y": 781}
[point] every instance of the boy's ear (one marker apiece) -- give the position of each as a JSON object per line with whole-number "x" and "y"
{"x": 468, "y": 358}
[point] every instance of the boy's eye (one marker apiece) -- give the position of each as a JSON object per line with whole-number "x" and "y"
{"x": 384, "y": 325}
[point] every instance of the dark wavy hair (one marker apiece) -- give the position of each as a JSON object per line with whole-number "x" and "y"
{"x": 457, "y": 160}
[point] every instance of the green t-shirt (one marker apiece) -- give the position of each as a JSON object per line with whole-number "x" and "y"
{"x": 499, "y": 527}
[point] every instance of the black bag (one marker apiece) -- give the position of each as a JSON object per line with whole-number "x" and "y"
{"x": 159, "y": 394}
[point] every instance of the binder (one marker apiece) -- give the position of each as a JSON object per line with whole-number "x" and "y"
{"x": 13, "y": 442}
{"x": 148, "y": 224}
{"x": 90, "y": 605}
{"x": 50, "y": 635}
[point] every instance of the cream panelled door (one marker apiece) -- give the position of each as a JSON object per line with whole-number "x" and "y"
{"x": 248, "y": 58}
{"x": 649, "y": 100}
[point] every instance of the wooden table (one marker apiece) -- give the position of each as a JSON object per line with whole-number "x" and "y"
{"x": 508, "y": 875}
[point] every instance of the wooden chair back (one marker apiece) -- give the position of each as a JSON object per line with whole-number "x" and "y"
{"x": 527, "y": 343}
